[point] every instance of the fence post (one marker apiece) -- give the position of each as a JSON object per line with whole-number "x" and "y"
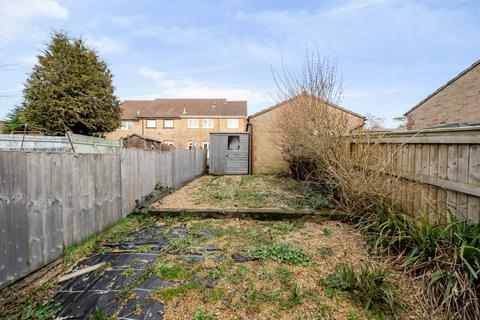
{"x": 173, "y": 157}
{"x": 122, "y": 183}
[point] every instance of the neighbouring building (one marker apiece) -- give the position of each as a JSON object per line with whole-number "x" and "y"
{"x": 181, "y": 122}
{"x": 456, "y": 103}
{"x": 265, "y": 154}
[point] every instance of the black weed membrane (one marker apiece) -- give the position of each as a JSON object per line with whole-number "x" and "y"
{"x": 105, "y": 291}
{"x": 123, "y": 285}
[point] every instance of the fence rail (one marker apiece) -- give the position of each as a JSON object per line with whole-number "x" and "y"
{"x": 445, "y": 164}
{"x": 49, "y": 201}
{"x": 80, "y": 143}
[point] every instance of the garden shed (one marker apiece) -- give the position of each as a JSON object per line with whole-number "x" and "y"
{"x": 229, "y": 153}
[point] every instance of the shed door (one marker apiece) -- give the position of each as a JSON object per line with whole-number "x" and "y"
{"x": 237, "y": 154}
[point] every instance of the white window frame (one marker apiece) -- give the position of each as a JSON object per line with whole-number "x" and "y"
{"x": 233, "y": 123}
{"x": 126, "y": 125}
{"x": 191, "y": 144}
{"x": 193, "y": 124}
{"x": 165, "y": 121}
{"x": 207, "y": 123}
{"x": 169, "y": 142}
{"x": 149, "y": 122}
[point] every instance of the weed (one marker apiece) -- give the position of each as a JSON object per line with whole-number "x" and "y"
{"x": 324, "y": 311}
{"x": 447, "y": 257}
{"x": 325, "y": 252}
{"x": 369, "y": 288}
{"x": 352, "y": 316}
{"x": 327, "y": 232}
{"x": 265, "y": 275}
{"x": 177, "y": 291}
{"x": 215, "y": 273}
{"x": 281, "y": 252}
{"x": 284, "y": 276}
{"x": 128, "y": 272}
{"x": 295, "y": 297}
{"x": 285, "y": 228}
{"x": 238, "y": 275}
{"x": 44, "y": 311}
{"x": 171, "y": 272}
{"x": 143, "y": 248}
{"x": 216, "y": 294}
{"x": 201, "y": 315}
{"x": 100, "y": 315}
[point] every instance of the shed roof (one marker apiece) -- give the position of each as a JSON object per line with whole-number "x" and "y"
{"x": 476, "y": 63}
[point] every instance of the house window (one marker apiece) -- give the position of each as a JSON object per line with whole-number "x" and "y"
{"x": 151, "y": 123}
{"x": 233, "y": 142}
{"x": 126, "y": 125}
{"x": 208, "y": 123}
{"x": 191, "y": 144}
{"x": 233, "y": 124}
{"x": 193, "y": 123}
{"x": 168, "y": 123}
{"x": 206, "y": 146}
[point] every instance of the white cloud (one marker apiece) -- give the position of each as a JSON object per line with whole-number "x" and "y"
{"x": 181, "y": 87}
{"x": 352, "y": 5}
{"x": 107, "y": 45}
{"x": 125, "y": 21}
{"x": 16, "y": 15}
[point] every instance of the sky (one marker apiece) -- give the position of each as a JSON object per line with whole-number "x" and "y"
{"x": 390, "y": 53}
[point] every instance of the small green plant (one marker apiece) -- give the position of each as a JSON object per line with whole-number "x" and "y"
{"x": 171, "y": 272}
{"x": 44, "y": 311}
{"x": 216, "y": 294}
{"x": 100, "y": 315}
{"x": 177, "y": 291}
{"x": 325, "y": 252}
{"x": 201, "y": 315}
{"x": 295, "y": 297}
{"x": 281, "y": 252}
{"x": 128, "y": 272}
{"x": 352, "y": 316}
{"x": 327, "y": 232}
{"x": 239, "y": 274}
{"x": 284, "y": 276}
{"x": 370, "y": 288}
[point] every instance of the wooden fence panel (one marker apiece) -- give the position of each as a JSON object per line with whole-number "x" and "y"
{"x": 439, "y": 170}
{"x": 49, "y": 201}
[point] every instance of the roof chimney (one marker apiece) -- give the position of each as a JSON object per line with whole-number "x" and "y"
{"x": 184, "y": 111}
{"x": 138, "y": 113}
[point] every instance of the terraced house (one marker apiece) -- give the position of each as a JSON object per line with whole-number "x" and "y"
{"x": 181, "y": 122}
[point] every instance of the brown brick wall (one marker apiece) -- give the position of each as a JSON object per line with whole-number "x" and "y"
{"x": 180, "y": 134}
{"x": 457, "y": 102}
{"x": 266, "y": 155}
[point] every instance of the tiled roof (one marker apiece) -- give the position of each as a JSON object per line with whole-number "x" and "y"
{"x": 174, "y": 108}
{"x": 305, "y": 94}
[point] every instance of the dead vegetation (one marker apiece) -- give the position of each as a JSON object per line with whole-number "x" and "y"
{"x": 316, "y": 141}
{"x": 227, "y": 192}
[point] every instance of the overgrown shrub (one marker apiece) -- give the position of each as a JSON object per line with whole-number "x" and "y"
{"x": 447, "y": 257}
{"x": 316, "y": 141}
{"x": 368, "y": 287}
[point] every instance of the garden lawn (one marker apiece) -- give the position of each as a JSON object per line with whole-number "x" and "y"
{"x": 230, "y": 192}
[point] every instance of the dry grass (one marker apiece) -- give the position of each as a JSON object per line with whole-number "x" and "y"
{"x": 265, "y": 289}
{"x": 211, "y": 192}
